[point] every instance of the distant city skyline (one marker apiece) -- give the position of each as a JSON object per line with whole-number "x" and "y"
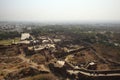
{"x": 60, "y": 10}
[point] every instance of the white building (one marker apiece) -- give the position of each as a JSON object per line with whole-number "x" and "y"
{"x": 25, "y": 36}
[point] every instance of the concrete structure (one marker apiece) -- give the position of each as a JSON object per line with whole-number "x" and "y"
{"x": 25, "y": 36}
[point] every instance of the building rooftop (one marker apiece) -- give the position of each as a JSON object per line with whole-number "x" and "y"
{"x": 25, "y": 36}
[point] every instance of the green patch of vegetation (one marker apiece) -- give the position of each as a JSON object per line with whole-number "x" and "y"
{"x": 9, "y": 35}
{"x": 9, "y": 41}
{"x": 5, "y": 42}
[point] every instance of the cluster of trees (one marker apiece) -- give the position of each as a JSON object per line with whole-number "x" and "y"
{"x": 9, "y": 35}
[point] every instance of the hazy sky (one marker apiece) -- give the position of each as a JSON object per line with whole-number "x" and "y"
{"x": 59, "y": 10}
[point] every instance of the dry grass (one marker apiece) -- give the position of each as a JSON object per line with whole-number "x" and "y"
{"x": 42, "y": 77}
{"x": 103, "y": 67}
{"x": 37, "y": 58}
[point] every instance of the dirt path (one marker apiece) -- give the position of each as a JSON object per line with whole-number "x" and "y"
{"x": 32, "y": 64}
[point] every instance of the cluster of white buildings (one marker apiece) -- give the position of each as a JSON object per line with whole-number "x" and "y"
{"x": 41, "y": 43}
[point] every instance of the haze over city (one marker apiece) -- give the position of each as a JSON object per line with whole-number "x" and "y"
{"x": 59, "y": 39}
{"x": 60, "y": 10}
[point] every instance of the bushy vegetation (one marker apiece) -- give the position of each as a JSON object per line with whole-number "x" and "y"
{"x": 9, "y": 35}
